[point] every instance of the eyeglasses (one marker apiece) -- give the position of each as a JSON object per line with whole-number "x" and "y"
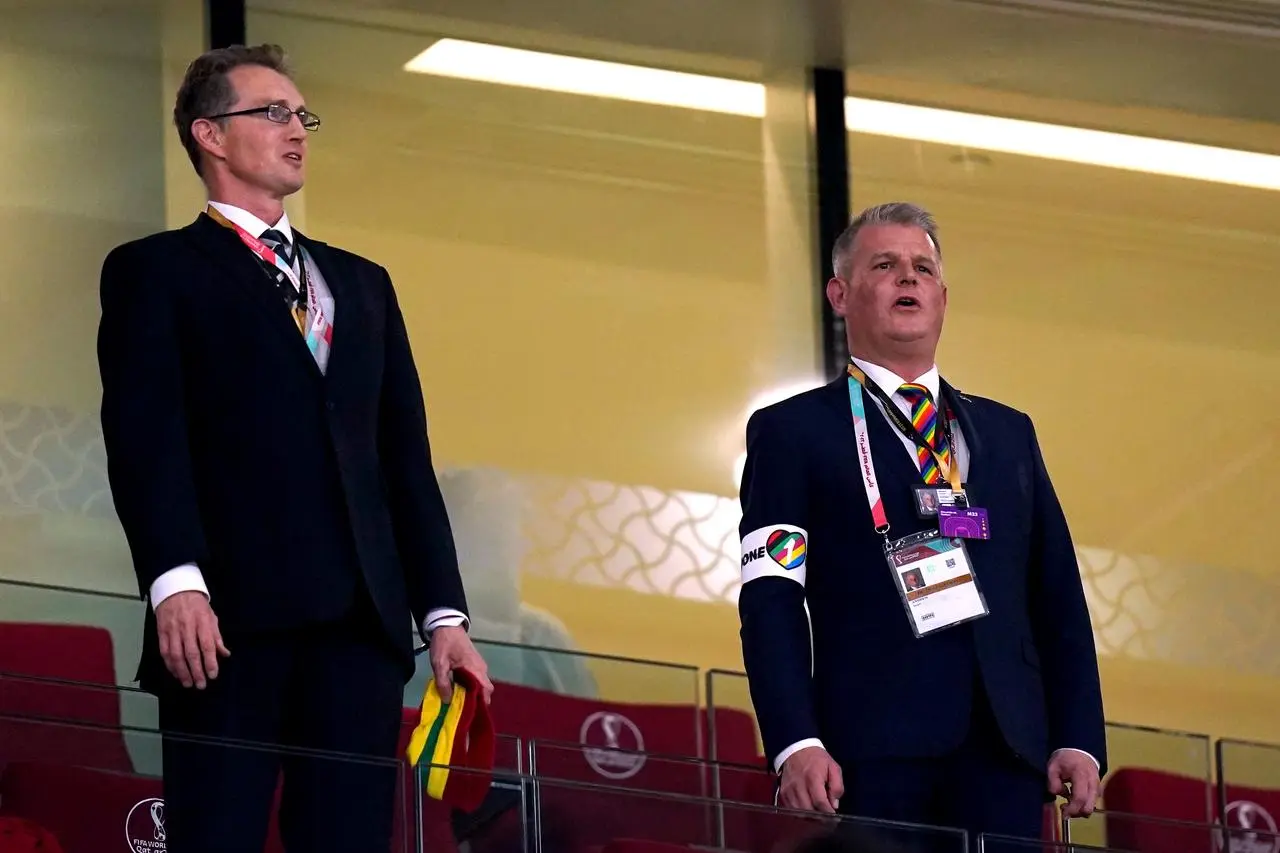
{"x": 279, "y": 113}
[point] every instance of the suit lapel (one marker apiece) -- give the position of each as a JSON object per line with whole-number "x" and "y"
{"x": 224, "y": 247}
{"x": 886, "y": 447}
{"x": 966, "y": 417}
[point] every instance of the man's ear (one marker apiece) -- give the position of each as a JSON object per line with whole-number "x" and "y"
{"x": 837, "y": 295}
{"x": 209, "y": 136}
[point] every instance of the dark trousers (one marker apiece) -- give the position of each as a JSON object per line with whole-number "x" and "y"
{"x": 336, "y": 688}
{"x": 981, "y": 788}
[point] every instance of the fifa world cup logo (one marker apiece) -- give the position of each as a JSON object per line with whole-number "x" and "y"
{"x": 157, "y": 818}
{"x": 622, "y": 754}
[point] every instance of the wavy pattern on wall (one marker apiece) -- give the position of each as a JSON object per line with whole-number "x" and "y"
{"x": 685, "y": 545}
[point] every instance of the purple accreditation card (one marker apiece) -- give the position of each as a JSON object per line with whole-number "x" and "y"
{"x": 963, "y": 522}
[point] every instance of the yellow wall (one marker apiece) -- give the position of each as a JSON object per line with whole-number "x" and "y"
{"x": 596, "y": 293}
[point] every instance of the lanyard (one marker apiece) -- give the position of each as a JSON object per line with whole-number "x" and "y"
{"x": 950, "y": 473}
{"x": 267, "y": 255}
{"x": 865, "y": 464}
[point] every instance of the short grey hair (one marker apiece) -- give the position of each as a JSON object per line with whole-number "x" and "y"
{"x": 891, "y": 213}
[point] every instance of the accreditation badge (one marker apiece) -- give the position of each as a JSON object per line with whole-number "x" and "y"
{"x": 935, "y": 578}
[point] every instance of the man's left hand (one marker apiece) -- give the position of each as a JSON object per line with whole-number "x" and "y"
{"x": 451, "y": 649}
{"x": 1078, "y": 770}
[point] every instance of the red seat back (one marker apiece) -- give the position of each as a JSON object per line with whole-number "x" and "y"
{"x": 532, "y": 714}
{"x": 80, "y": 654}
{"x": 734, "y": 737}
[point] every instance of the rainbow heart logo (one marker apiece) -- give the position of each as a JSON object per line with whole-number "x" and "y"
{"x": 787, "y": 548}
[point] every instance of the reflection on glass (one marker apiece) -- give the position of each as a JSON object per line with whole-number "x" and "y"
{"x": 617, "y": 255}
{"x": 1249, "y": 829}
{"x": 78, "y": 782}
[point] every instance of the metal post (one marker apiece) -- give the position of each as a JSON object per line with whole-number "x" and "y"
{"x": 225, "y": 22}
{"x": 831, "y": 160}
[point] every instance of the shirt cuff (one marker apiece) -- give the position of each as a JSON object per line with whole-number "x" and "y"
{"x": 443, "y": 617}
{"x": 793, "y": 749}
{"x": 1081, "y": 751}
{"x": 184, "y": 578}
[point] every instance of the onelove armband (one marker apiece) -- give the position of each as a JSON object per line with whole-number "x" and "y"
{"x": 457, "y": 735}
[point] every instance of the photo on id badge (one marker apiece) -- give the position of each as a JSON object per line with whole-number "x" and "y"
{"x": 930, "y": 499}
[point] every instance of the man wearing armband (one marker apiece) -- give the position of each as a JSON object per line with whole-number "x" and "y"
{"x": 913, "y": 621}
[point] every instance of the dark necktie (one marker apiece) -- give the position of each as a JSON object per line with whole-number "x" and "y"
{"x": 295, "y": 299}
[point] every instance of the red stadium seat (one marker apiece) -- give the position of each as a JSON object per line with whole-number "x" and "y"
{"x": 1131, "y": 792}
{"x": 734, "y": 739}
{"x": 532, "y": 714}
{"x": 1255, "y": 809}
{"x": 1142, "y": 791}
{"x": 30, "y": 652}
{"x": 81, "y": 807}
{"x": 25, "y": 836}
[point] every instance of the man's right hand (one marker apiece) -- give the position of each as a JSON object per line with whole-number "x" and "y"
{"x": 811, "y": 781}
{"x": 190, "y": 641}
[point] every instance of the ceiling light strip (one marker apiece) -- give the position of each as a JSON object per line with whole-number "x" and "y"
{"x": 572, "y": 75}
{"x": 1070, "y": 144}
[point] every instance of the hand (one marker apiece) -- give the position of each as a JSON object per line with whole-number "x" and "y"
{"x": 190, "y": 641}
{"x": 1077, "y": 769}
{"x": 451, "y": 649}
{"x": 811, "y": 781}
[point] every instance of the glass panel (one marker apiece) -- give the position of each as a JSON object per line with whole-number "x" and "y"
{"x": 578, "y": 274}
{"x": 556, "y": 815}
{"x": 109, "y": 716}
{"x": 89, "y": 637}
{"x": 1249, "y": 780}
{"x": 649, "y": 706}
{"x": 731, "y": 718}
{"x": 93, "y": 84}
{"x": 580, "y": 815}
{"x": 1081, "y": 287}
{"x": 75, "y": 635}
{"x": 1248, "y": 831}
{"x": 78, "y": 783}
{"x": 998, "y": 844}
{"x": 650, "y": 772}
{"x": 1161, "y": 773}
{"x": 501, "y": 820}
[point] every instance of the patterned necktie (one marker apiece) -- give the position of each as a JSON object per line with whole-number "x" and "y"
{"x": 924, "y": 417}
{"x": 295, "y": 299}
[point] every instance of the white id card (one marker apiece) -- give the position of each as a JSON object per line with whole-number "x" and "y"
{"x": 936, "y": 580}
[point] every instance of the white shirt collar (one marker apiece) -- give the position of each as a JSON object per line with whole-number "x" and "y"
{"x": 890, "y": 382}
{"x": 251, "y": 223}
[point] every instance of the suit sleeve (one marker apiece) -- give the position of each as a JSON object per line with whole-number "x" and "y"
{"x": 144, "y": 418}
{"x": 1060, "y": 618}
{"x": 424, "y": 536}
{"x": 775, "y": 625}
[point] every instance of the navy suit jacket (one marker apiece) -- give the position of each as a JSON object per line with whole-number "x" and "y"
{"x": 870, "y": 688}
{"x": 228, "y": 448}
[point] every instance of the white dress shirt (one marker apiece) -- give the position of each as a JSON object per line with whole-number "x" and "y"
{"x": 187, "y": 577}
{"x": 890, "y": 382}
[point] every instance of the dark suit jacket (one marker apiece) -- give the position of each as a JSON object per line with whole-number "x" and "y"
{"x": 876, "y": 690}
{"x": 227, "y": 446}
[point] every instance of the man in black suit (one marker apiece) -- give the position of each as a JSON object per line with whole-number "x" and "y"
{"x": 965, "y": 702}
{"x": 269, "y": 462}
